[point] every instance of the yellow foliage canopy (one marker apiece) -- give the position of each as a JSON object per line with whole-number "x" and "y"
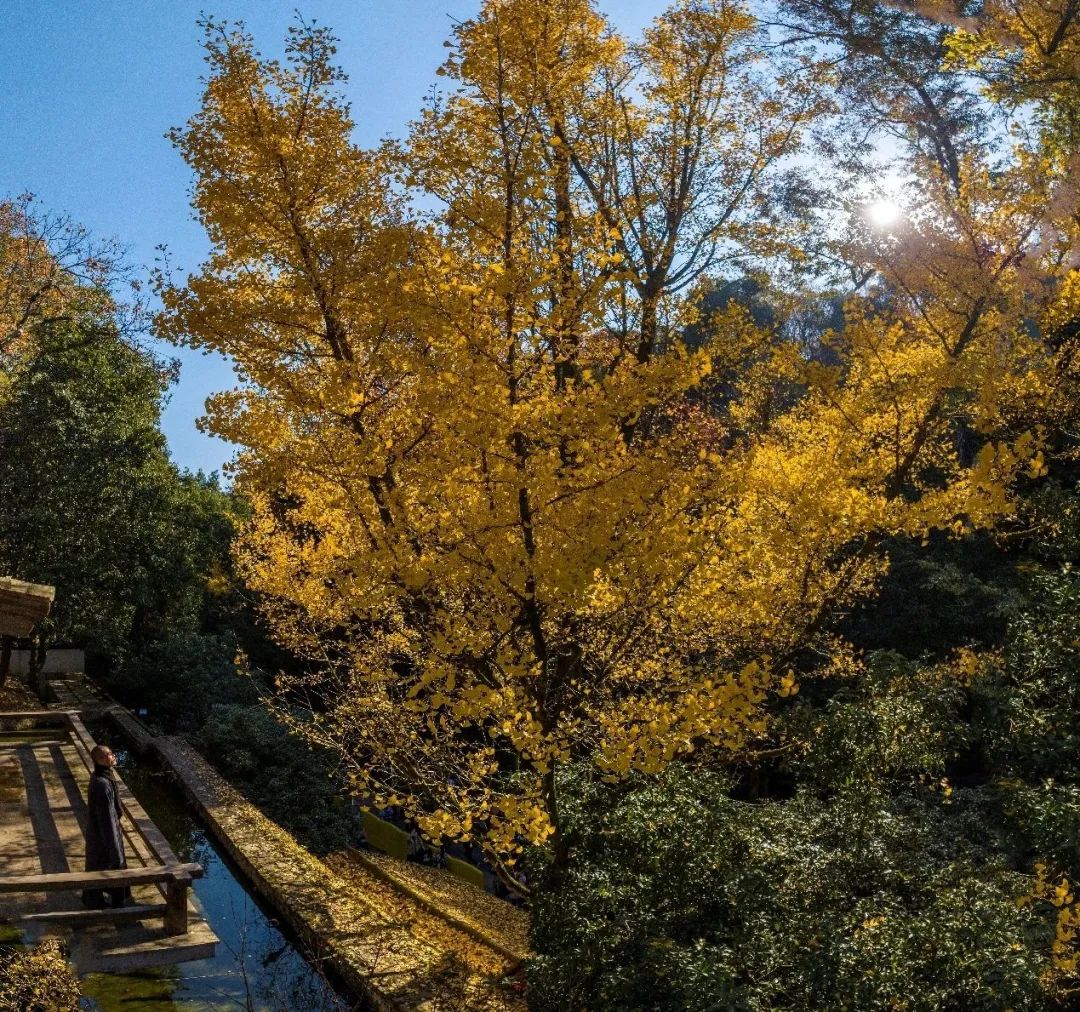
{"x": 509, "y": 516}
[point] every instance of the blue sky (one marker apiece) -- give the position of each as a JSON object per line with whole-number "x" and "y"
{"x": 89, "y": 87}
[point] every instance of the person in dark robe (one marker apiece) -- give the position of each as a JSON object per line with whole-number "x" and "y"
{"x": 104, "y": 837}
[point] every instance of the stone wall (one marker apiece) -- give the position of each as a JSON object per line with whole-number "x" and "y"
{"x": 57, "y": 662}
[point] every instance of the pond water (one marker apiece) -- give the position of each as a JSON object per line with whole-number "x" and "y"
{"x": 257, "y": 966}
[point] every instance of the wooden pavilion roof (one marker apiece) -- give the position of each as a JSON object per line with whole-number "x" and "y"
{"x": 23, "y": 605}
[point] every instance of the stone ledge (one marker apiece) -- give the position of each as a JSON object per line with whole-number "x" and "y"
{"x": 383, "y": 943}
{"x": 421, "y": 883}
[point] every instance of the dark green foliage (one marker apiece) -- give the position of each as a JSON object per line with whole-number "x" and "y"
{"x": 87, "y": 483}
{"x": 894, "y": 726}
{"x": 293, "y": 784}
{"x": 139, "y": 554}
{"x": 889, "y": 878}
{"x": 689, "y": 900}
{"x": 744, "y": 292}
{"x": 938, "y": 596}
{"x": 1029, "y": 715}
{"x": 870, "y": 886}
{"x": 92, "y": 503}
{"x": 179, "y": 679}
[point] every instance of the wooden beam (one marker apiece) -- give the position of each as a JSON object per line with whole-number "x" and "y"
{"x": 42, "y": 716}
{"x": 19, "y": 605}
{"x": 113, "y": 879}
{"x": 138, "y": 912}
{"x": 34, "y": 734}
{"x": 9, "y": 584}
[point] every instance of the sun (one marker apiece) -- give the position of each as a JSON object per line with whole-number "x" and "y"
{"x": 883, "y": 213}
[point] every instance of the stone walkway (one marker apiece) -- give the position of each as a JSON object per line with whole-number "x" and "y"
{"x": 501, "y": 926}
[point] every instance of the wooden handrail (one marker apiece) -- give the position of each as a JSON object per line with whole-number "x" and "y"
{"x": 171, "y": 876}
{"x": 111, "y": 879}
{"x": 62, "y": 716}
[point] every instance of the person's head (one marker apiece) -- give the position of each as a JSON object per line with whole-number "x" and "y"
{"x": 103, "y": 756}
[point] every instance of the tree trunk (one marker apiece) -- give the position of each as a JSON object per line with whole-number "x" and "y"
{"x": 5, "y": 660}
{"x": 647, "y": 337}
{"x": 560, "y": 846}
{"x": 565, "y": 340}
{"x": 649, "y": 326}
{"x": 37, "y": 664}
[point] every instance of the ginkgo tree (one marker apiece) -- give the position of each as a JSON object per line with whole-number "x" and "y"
{"x": 491, "y": 508}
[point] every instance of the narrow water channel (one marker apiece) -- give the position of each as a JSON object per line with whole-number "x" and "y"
{"x": 256, "y": 968}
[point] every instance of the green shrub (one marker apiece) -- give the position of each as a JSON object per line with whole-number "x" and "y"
{"x": 1027, "y": 711}
{"x": 680, "y": 897}
{"x": 181, "y": 678}
{"x": 290, "y": 782}
{"x": 882, "y": 856}
{"x": 887, "y": 878}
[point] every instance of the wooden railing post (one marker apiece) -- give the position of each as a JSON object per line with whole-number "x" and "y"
{"x": 176, "y": 905}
